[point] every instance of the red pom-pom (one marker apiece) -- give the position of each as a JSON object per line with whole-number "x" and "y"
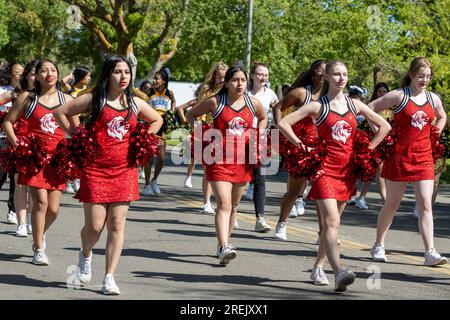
{"x": 258, "y": 149}
{"x": 366, "y": 161}
{"x": 304, "y": 162}
{"x": 143, "y": 145}
{"x": 71, "y": 155}
{"x": 28, "y": 158}
{"x": 386, "y": 147}
{"x": 437, "y": 147}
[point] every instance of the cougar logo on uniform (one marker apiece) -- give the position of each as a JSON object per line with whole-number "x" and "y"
{"x": 419, "y": 119}
{"x": 237, "y": 126}
{"x": 341, "y": 130}
{"x": 49, "y": 124}
{"x": 117, "y": 128}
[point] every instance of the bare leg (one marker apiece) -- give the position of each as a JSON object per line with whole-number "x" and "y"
{"x": 223, "y": 192}
{"x": 331, "y": 210}
{"x": 423, "y": 191}
{"x": 160, "y": 160}
{"x": 115, "y": 222}
{"x": 395, "y": 191}
{"x": 94, "y": 222}
{"x": 295, "y": 187}
{"x": 237, "y": 191}
{"x": 20, "y": 200}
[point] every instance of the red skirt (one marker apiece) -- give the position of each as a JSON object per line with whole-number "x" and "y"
{"x": 330, "y": 188}
{"x": 235, "y": 173}
{"x": 44, "y": 179}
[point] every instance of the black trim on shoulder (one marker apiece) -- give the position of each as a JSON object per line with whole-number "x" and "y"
{"x": 404, "y": 101}
{"x": 325, "y": 110}
{"x": 222, "y": 103}
{"x": 351, "y": 105}
{"x": 249, "y": 103}
{"x": 430, "y": 98}
{"x": 31, "y": 107}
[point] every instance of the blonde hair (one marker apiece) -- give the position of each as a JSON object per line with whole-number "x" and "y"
{"x": 209, "y": 87}
{"x": 415, "y": 66}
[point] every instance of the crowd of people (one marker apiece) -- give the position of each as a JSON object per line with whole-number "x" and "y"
{"x": 235, "y": 104}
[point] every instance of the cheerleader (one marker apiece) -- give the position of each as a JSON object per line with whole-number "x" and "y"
{"x": 163, "y": 100}
{"x": 80, "y": 79}
{"x": 335, "y": 115}
{"x": 415, "y": 108}
{"x": 305, "y": 89}
{"x": 19, "y": 197}
{"x": 211, "y": 85}
{"x": 46, "y": 186}
{"x": 109, "y": 183}
{"x": 233, "y": 113}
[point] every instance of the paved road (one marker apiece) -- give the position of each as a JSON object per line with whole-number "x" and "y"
{"x": 170, "y": 247}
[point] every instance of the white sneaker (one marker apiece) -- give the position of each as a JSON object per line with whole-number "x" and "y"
{"x": 318, "y": 276}
{"x": 40, "y": 258}
{"x": 416, "y": 213}
{"x": 69, "y": 188}
{"x": 76, "y": 185}
{"x": 28, "y": 221}
{"x": 433, "y": 258}
{"x": 300, "y": 206}
{"x": 208, "y": 208}
{"x": 226, "y": 255}
{"x": 261, "y": 225}
{"x": 280, "y": 231}
{"x": 343, "y": 279}
{"x": 188, "y": 182}
{"x": 155, "y": 187}
{"x": 378, "y": 253}
{"x": 361, "y": 203}
{"x": 147, "y": 191}
{"x": 249, "y": 193}
{"x": 22, "y": 230}
{"x": 293, "y": 212}
{"x": 352, "y": 201}
{"x": 84, "y": 267}
{"x": 236, "y": 224}
{"x": 11, "y": 217}
{"x": 109, "y": 286}
{"x": 218, "y": 249}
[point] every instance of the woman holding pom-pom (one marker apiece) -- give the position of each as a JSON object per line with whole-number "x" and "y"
{"x": 335, "y": 116}
{"x": 411, "y": 161}
{"x": 44, "y": 184}
{"x": 305, "y": 89}
{"x": 110, "y": 182}
{"x": 233, "y": 113}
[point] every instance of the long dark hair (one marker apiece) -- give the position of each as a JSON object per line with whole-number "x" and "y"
{"x": 228, "y": 75}
{"x": 36, "y": 91}
{"x": 79, "y": 73}
{"x": 99, "y": 94}
{"x": 375, "y": 89}
{"x": 28, "y": 68}
{"x": 306, "y": 77}
{"x": 165, "y": 75}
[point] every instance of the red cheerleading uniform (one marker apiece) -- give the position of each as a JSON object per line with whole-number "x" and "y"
{"x": 412, "y": 158}
{"x": 41, "y": 122}
{"x": 22, "y": 128}
{"x": 110, "y": 178}
{"x": 308, "y": 123}
{"x": 234, "y": 126}
{"x": 339, "y": 180}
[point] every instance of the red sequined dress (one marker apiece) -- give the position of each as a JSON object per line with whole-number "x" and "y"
{"x": 412, "y": 158}
{"x": 41, "y": 122}
{"x": 339, "y": 180}
{"x": 110, "y": 178}
{"x": 233, "y": 125}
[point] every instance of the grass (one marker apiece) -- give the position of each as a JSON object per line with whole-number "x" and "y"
{"x": 445, "y": 176}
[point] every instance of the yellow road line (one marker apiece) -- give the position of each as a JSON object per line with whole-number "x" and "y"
{"x": 312, "y": 235}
